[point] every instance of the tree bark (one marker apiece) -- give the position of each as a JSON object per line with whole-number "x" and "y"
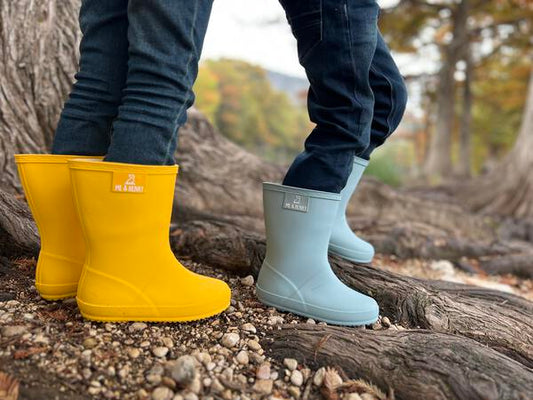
{"x": 38, "y": 49}
{"x": 416, "y": 364}
{"x": 18, "y": 233}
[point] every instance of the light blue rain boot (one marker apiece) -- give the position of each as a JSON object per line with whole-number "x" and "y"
{"x": 344, "y": 242}
{"x": 296, "y": 275}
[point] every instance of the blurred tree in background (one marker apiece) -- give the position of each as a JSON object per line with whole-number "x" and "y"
{"x": 477, "y": 94}
{"x": 241, "y": 102}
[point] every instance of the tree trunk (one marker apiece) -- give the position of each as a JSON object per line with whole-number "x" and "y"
{"x": 464, "y": 168}
{"x": 38, "y": 49}
{"x": 439, "y": 163}
{"x": 508, "y": 188}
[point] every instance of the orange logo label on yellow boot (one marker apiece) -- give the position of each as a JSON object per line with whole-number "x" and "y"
{"x": 128, "y": 183}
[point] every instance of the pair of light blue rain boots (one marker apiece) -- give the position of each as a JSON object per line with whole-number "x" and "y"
{"x": 302, "y": 225}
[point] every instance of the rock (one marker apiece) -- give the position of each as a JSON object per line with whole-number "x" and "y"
{"x": 90, "y": 343}
{"x": 190, "y": 396}
{"x": 275, "y": 320}
{"x": 367, "y": 396}
{"x": 160, "y": 351}
{"x": 294, "y": 392}
{"x": 290, "y": 363}
{"x": 353, "y": 396}
{"x": 153, "y": 379}
{"x": 319, "y": 376}
{"x": 137, "y": 326}
{"x": 385, "y": 321}
{"x": 162, "y": 393}
{"x": 263, "y": 371}
{"x": 204, "y": 358}
{"x": 168, "y": 382}
{"x": 230, "y": 339}
{"x": 216, "y": 386}
{"x": 254, "y": 345}
{"x": 183, "y": 371}
{"x": 263, "y": 386}
{"x": 310, "y": 321}
{"x": 242, "y": 357}
{"x": 134, "y": 353}
{"x": 41, "y": 339}
{"x": 297, "y": 378}
{"x": 168, "y": 342}
{"x": 443, "y": 266}
{"x": 247, "y": 281}
{"x": 248, "y": 328}
{"x": 13, "y": 330}
{"x": 195, "y": 386}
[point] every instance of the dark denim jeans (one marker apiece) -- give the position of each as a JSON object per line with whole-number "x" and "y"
{"x": 138, "y": 63}
{"x": 357, "y": 95}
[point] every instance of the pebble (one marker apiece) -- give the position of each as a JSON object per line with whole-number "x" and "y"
{"x": 13, "y": 330}
{"x": 190, "y": 396}
{"x": 263, "y": 371}
{"x": 275, "y": 320}
{"x": 353, "y": 396}
{"x": 162, "y": 393}
{"x": 254, "y": 345}
{"x": 297, "y": 378}
{"x": 294, "y": 392}
{"x": 153, "y": 379}
{"x": 242, "y": 357}
{"x": 263, "y": 386}
{"x": 248, "y": 328}
{"x": 134, "y": 353}
{"x": 90, "y": 343}
{"x": 137, "y": 326}
{"x": 168, "y": 342}
{"x": 160, "y": 351}
{"x": 318, "y": 378}
{"x": 216, "y": 386}
{"x": 195, "y": 386}
{"x": 290, "y": 363}
{"x": 230, "y": 339}
{"x": 183, "y": 371}
{"x": 248, "y": 280}
{"x": 385, "y": 321}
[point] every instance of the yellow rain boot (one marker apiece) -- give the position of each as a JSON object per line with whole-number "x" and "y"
{"x": 46, "y": 182}
{"x": 130, "y": 272}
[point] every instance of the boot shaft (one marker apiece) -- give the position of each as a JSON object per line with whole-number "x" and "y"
{"x": 298, "y": 224}
{"x": 124, "y": 209}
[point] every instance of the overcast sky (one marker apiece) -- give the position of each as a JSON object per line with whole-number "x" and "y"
{"x": 247, "y": 30}
{"x": 241, "y": 29}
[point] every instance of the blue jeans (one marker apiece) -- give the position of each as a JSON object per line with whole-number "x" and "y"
{"x": 357, "y": 95}
{"x": 138, "y": 62}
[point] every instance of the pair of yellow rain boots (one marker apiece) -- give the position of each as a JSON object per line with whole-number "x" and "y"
{"x": 104, "y": 230}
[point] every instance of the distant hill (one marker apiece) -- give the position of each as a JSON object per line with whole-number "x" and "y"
{"x": 292, "y": 85}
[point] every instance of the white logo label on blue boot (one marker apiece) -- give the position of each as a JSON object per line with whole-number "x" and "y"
{"x": 296, "y": 202}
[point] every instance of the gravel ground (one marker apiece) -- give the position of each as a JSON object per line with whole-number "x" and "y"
{"x": 55, "y": 354}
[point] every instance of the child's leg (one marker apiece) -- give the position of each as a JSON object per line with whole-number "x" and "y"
{"x": 390, "y": 96}
{"x": 166, "y": 38}
{"x": 85, "y": 123}
{"x": 336, "y": 44}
